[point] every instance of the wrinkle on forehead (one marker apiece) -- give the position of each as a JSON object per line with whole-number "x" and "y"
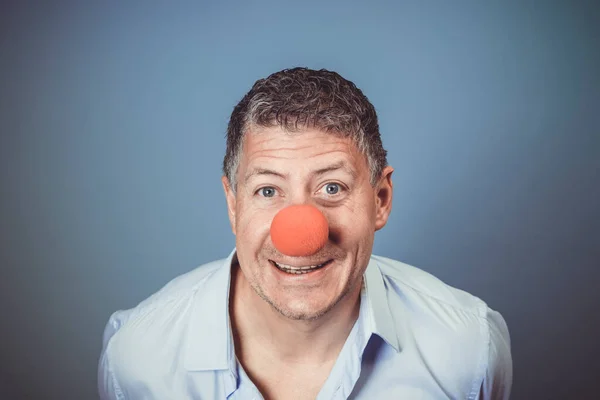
{"x": 335, "y": 142}
{"x": 312, "y": 149}
{"x": 259, "y": 141}
{"x": 283, "y": 155}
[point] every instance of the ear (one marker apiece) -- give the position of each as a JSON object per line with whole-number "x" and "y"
{"x": 231, "y": 202}
{"x": 383, "y": 200}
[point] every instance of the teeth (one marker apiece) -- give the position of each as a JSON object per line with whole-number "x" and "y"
{"x": 297, "y": 270}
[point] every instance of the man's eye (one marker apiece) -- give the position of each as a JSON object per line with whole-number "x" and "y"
{"x": 332, "y": 188}
{"x": 267, "y": 191}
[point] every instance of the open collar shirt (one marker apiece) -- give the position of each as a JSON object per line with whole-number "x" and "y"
{"x": 415, "y": 338}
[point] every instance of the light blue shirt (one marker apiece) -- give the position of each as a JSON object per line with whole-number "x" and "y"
{"x": 415, "y": 338}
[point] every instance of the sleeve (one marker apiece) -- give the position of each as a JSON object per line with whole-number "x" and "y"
{"x": 497, "y": 381}
{"x": 108, "y": 387}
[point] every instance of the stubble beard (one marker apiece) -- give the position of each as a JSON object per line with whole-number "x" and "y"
{"x": 295, "y": 315}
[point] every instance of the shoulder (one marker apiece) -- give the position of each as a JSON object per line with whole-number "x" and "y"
{"x": 423, "y": 286}
{"x": 452, "y": 329}
{"x": 166, "y": 300}
{"x": 148, "y": 336}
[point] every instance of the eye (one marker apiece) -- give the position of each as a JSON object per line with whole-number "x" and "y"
{"x": 267, "y": 191}
{"x": 332, "y": 188}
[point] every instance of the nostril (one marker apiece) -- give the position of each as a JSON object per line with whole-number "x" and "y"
{"x": 299, "y": 230}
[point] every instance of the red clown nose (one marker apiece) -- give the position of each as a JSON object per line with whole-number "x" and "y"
{"x": 299, "y": 230}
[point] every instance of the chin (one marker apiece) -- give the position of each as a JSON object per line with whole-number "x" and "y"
{"x": 302, "y": 310}
{"x": 300, "y": 315}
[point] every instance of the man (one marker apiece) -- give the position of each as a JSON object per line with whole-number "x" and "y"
{"x": 299, "y": 312}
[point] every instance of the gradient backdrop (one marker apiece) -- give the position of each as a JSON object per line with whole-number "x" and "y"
{"x": 112, "y": 122}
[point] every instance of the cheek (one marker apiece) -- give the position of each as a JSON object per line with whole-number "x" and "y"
{"x": 253, "y": 223}
{"x": 351, "y": 223}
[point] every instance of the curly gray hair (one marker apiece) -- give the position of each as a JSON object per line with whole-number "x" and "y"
{"x": 300, "y": 98}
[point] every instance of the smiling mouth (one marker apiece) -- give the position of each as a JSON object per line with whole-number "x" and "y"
{"x": 299, "y": 270}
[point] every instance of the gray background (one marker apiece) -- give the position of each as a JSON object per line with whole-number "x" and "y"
{"x": 112, "y": 123}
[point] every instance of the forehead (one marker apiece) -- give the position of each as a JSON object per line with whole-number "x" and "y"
{"x": 273, "y": 151}
{"x": 276, "y": 143}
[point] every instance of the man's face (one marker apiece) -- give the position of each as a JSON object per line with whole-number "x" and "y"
{"x": 278, "y": 169}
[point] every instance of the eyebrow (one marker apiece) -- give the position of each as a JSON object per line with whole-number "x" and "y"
{"x": 262, "y": 171}
{"x": 340, "y": 165}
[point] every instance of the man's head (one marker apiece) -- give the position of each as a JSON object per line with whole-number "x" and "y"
{"x": 298, "y": 99}
{"x": 306, "y": 137}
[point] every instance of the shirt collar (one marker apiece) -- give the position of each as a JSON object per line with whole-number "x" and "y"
{"x": 379, "y": 319}
{"x": 210, "y": 340}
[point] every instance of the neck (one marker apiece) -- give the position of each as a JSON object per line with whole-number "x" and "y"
{"x": 258, "y": 327}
